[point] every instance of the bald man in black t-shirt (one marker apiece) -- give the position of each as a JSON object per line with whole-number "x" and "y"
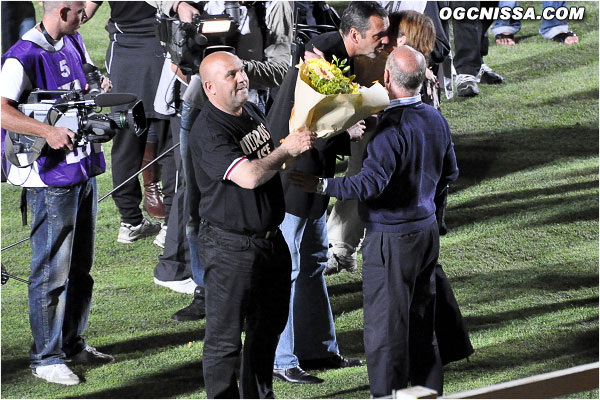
{"x": 246, "y": 260}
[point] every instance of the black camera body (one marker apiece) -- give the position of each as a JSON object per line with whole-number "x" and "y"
{"x": 79, "y": 112}
{"x": 71, "y": 110}
{"x": 189, "y": 43}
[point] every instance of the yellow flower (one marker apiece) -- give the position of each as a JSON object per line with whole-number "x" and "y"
{"x": 327, "y": 78}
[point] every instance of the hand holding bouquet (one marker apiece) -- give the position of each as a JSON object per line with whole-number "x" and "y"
{"x": 327, "y": 102}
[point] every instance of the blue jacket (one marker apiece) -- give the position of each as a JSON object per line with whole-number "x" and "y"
{"x": 409, "y": 160}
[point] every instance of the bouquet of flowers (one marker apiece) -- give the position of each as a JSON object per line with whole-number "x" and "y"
{"x": 329, "y": 78}
{"x": 328, "y": 102}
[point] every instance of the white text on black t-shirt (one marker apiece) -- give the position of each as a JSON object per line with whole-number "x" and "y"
{"x": 257, "y": 141}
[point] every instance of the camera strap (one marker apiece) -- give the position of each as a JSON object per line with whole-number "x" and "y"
{"x": 49, "y": 38}
{"x": 33, "y": 152}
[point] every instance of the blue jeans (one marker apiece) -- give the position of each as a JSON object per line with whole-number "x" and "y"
{"x": 62, "y": 239}
{"x": 192, "y": 194}
{"x": 548, "y": 30}
{"x": 309, "y": 332}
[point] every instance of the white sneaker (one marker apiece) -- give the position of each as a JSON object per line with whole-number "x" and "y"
{"x": 185, "y": 286}
{"x": 129, "y": 233}
{"x": 56, "y": 373}
{"x": 466, "y": 85}
{"x": 159, "y": 240}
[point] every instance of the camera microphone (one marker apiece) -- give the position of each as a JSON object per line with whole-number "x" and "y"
{"x": 114, "y": 99}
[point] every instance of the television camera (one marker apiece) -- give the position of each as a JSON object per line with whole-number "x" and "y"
{"x": 79, "y": 112}
{"x": 189, "y": 42}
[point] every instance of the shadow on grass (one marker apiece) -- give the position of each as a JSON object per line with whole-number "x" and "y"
{"x": 498, "y": 319}
{"x": 498, "y": 198}
{"x": 583, "y": 212}
{"x": 346, "y": 303}
{"x": 344, "y": 393}
{"x": 345, "y": 288}
{"x": 351, "y": 343}
{"x": 581, "y": 346}
{"x": 128, "y": 349}
{"x": 154, "y": 342}
{"x": 12, "y": 370}
{"x": 547, "y": 63}
{"x": 487, "y": 156}
{"x": 582, "y": 96}
{"x": 514, "y": 281}
{"x": 168, "y": 384}
{"x": 554, "y": 210}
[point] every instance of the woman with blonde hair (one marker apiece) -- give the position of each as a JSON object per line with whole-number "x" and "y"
{"x": 411, "y": 28}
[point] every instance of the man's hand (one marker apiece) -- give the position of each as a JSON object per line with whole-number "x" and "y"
{"x": 184, "y": 11}
{"x": 357, "y": 130}
{"x": 59, "y": 137}
{"x": 106, "y": 84}
{"x": 304, "y": 181}
{"x": 298, "y": 142}
{"x": 313, "y": 54}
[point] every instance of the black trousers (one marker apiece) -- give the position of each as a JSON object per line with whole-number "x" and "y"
{"x": 174, "y": 262}
{"x": 399, "y": 308}
{"x": 247, "y": 281}
{"x": 134, "y": 61}
{"x": 126, "y": 159}
{"x": 471, "y": 40}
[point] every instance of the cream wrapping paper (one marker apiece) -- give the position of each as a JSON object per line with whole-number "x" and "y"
{"x": 328, "y": 115}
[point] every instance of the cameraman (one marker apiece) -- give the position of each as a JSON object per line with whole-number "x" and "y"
{"x": 60, "y": 189}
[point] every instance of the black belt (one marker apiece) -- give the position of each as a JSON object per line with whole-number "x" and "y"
{"x": 259, "y": 235}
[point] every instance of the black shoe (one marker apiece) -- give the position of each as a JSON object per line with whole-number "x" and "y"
{"x": 195, "y": 311}
{"x": 296, "y": 375}
{"x": 89, "y": 355}
{"x": 488, "y": 76}
{"x": 336, "y": 361}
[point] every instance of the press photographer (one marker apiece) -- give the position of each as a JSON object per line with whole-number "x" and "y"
{"x": 60, "y": 190}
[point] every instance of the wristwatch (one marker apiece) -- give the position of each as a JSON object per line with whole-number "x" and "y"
{"x": 320, "y": 188}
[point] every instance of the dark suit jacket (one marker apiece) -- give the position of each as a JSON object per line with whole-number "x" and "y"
{"x": 320, "y": 160}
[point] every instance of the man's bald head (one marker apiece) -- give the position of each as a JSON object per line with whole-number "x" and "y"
{"x": 214, "y": 62}
{"x": 63, "y": 17}
{"x": 50, "y": 6}
{"x": 406, "y": 68}
{"x": 225, "y": 82}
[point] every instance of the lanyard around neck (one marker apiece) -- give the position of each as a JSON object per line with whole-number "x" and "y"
{"x": 49, "y": 38}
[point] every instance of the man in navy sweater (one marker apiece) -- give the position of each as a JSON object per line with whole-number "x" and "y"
{"x": 409, "y": 160}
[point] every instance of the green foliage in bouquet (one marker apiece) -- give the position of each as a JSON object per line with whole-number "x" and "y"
{"x": 328, "y": 78}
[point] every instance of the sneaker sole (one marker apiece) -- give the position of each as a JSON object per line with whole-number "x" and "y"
{"x": 177, "y": 287}
{"x": 121, "y": 240}
{"x": 157, "y": 243}
{"x": 58, "y": 383}
{"x": 126, "y": 241}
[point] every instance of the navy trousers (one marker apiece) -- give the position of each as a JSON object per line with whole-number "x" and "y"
{"x": 399, "y": 307}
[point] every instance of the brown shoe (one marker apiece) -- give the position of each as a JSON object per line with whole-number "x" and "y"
{"x": 153, "y": 201}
